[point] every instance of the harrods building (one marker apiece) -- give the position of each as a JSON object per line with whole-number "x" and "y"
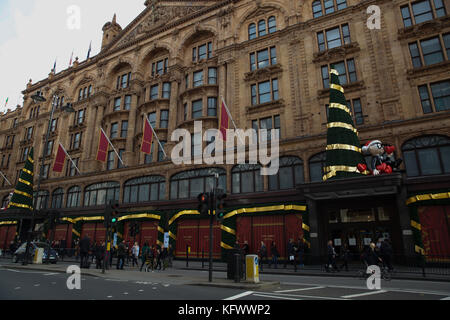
{"x": 270, "y": 62}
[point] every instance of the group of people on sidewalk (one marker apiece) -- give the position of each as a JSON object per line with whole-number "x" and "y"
{"x": 376, "y": 254}
{"x": 151, "y": 257}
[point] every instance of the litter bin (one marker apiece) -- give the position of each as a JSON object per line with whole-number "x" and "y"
{"x": 232, "y": 264}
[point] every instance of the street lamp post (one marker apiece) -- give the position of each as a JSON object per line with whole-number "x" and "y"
{"x": 38, "y": 98}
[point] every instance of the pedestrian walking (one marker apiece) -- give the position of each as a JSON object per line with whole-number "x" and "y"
{"x": 85, "y": 246}
{"x": 170, "y": 256}
{"x": 372, "y": 257}
{"x": 386, "y": 254}
{"x": 301, "y": 252}
{"x": 291, "y": 250}
{"x": 331, "y": 253}
{"x": 262, "y": 254}
{"x": 345, "y": 256}
{"x": 121, "y": 252}
{"x": 144, "y": 254}
{"x": 158, "y": 258}
{"x": 246, "y": 248}
{"x": 275, "y": 254}
{"x": 99, "y": 254}
{"x": 135, "y": 254}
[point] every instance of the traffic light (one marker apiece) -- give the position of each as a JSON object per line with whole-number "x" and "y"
{"x": 203, "y": 203}
{"x": 108, "y": 213}
{"x": 220, "y": 205}
{"x": 114, "y": 212}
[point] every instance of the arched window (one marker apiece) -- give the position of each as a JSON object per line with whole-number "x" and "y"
{"x": 321, "y": 7}
{"x": 42, "y": 199}
{"x": 247, "y": 178}
{"x": 189, "y": 184}
{"x": 101, "y": 193}
{"x": 57, "y": 198}
{"x": 272, "y": 24}
{"x": 289, "y": 175}
{"x": 262, "y": 28}
{"x": 316, "y": 165}
{"x": 427, "y": 155}
{"x": 252, "y": 31}
{"x": 73, "y": 197}
{"x": 144, "y": 189}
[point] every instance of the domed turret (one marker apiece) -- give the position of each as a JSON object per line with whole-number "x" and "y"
{"x": 110, "y": 31}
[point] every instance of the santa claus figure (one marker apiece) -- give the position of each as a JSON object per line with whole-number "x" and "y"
{"x": 383, "y": 160}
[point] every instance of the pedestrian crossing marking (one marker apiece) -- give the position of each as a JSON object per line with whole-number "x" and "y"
{"x": 364, "y": 294}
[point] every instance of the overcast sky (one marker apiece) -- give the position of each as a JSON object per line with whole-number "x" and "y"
{"x": 33, "y": 33}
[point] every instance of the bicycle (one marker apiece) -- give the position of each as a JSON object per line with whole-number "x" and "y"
{"x": 385, "y": 274}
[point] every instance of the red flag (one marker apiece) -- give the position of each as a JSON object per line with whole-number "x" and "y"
{"x": 59, "y": 161}
{"x": 103, "y": 145}
{"x": 147, "y": 138}
{"x": 224, "y": 121}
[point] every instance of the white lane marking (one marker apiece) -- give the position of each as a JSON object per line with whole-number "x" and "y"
{"x": 141, "y": 290}
{"x": 116, "y": 280}
{"x": 13, "y": 270}
{"x": 364, "y": 294}
{"x": 109, "y": 297}
{"x": 304, "y": 289}
{"x": 50, "y": 274}
{"x": 18, "y": 288}
{"x": 125, "y": 293}
{"x": 166, "y": 285}
{"x": 447, "y": 298}
{"x": 37, "y": 285}
{"x": 276, "y": 297}
{"x": 305, "y": 296}
{"x": 244, "y": 294}
{"x": 154, "y": 288}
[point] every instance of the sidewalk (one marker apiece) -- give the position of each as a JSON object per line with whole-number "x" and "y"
{"x": 220, "y": 271}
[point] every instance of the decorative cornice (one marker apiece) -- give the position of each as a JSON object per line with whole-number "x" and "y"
{"x": 336, "y": 53}
{"x": 424, "y": 29}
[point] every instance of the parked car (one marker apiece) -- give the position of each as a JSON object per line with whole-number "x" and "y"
{"x": 19, "y": 255}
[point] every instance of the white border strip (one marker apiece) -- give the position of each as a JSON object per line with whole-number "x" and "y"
{"x": 244, "y": 294}
{"x": 364, "y": 294}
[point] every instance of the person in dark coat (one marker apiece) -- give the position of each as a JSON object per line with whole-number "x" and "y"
{"x": 372, "y": 257}
{"x": 386, "y": 254}
{"x": 99, "y": 254}
{"x": 85, "y": 245}
{"x": 291, "y": 249}
{"x": 345, "y": 256}
{"x": 331, "y": 253}
{"x": 121, "y": 252}
{"x": 245, "y": 248}
{"x": 301, "y": 251}
{"x": 275, "y": 254}
{"x": 262, "y": 254}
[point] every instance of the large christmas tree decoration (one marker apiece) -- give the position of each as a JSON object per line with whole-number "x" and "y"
{"x": 23, "y": 195}
{"x": 344, "y": 156}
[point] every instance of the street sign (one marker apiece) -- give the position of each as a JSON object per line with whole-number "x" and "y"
{"x": 166, "y": 240}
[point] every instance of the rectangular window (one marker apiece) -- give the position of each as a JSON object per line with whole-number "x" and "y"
{"x": 46, "y": 170}
{"x": 212, "y": 75}
{"x": 110, "y": 161}
{"x": 325, "y": 77}
{"x": 333, "y": 38}
{"x": 266, "y": 124}
{"x": 346, "y": 34}
{"x": 329, "y": 6}
{"x": 194, "y": 54}
{"x": 341, "y": 4}
{"x": 119, "y": 164}
{"x": 422, "y": 11}
{"x": 185, "y": 111}
{"x": 29, "y": 133}
{"x": 114, "y": 130}
{"x": 439, "y": 7}
{"x": 197, "y": 109}
{"x": 117, "y": 103}
{"x": 124, "y": 129}
{"x": 49, "y": 148}
{"x": 273, "y": 55}
{"x": 263, "y": 58}
{"x": 317, "y": 9}
{"x": 254, "y": 95}
{"x": 160, "y": 67}
{"x": 210, "y": 50}
{"x": 252, "y": 61}
{"x": 76, "y": 142}
{"x": 127, "y": 102}
{"x": 166, "y": 65}
{"x": 198, "y": 79}
{"x": 152, "y": 119}
{"x": 425, "y": 99}
{"x": 80, "y": 95}
{"x": 264, "y": 93}
{"x": 275, "y": 89}
{"x": 149, "y": 157}
{"x": 164, "y": 122}
{"x": 351, "y": 70}
{"x": 355, "y": 105}
{"x": 124, "y": 81}
{"x": 72, "y": 170}
{"x": 406, "y": 15}
{"x": 446, "y": 38}
{"x": 415, "y": 55}
{"x": 80, "y": 118}
{"x": 186, "y": 81}
{"x": 212, "y": 107}
{"x": 441, "y": 95}
{"x": 196, "y": 145}
{"x": 53, "y": 125}
{"x": 166, "y": 90}
{"x": 202, "y": 52}
{"x": 432, "y": 51}
{"x": 153, "y": 69}
{"x": 154, "y": 92}
{"x": 321, "y": 41}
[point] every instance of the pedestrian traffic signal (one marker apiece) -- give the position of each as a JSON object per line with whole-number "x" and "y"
{"x": 220, "y": 205}
{"x": 203, "y": 203}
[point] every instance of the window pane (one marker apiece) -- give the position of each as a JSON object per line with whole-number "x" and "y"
{"x": 412, "y": 169}
{"x": 272, "y": 25}
{"x": 154, "y": 192}
{"x": 422, "y": 11}
{"x": 333, "y": 38}
{"x": 143, "y": 193}
{"x": 166, "y": 90}
{"x": 262, "y": 28}
{"x": 198, "y": 78}
{"x": 263, "y": 59}
{"x": 346, "y": 33}
{"x": 162, "y": 191}
{"x": 407, "y": 22}
{"x": 174, "y": 190}
{"x": 273, "y": 182}
{"x": 212, "y": 76}
{"x": 152, "y": 119}
{"x": 425, "y": 99}
{"x": 197, "y": 109}
{"x": 275, "y": 89}
{"x": 445, "y": 156}
{"x": 252, "y": 62}
{"x": 299, "y": 176}
{"x": 432, "y": 51}
{"x": 447, "y": 44}
{"x": 325, "y": 77}
{"x": 441, "y": 95}
{"x": 259, "y": 182}
{"x": 317, "y": 9}
{"x": 429, "y": 161}
{"x": 286, "y": 178}
{"x": 329, "y": 6}
{"x": 415, "y": 55}
{"x": 253, "y": 92}
{"x": 252, "y": 31}
{"x": 212, "y": 107}
{"x": 236, "y": 183}
{"x": 154, "y": 90}
{"x": 341, "y": 4}
{"x": 247, "y": 182}
{"x": 183, "y": 189}
{"x": 264, "y": 92}
{"x": 316, "y": 172}
{"x": 440, "y": 9}
{"x": 202, "y": 52}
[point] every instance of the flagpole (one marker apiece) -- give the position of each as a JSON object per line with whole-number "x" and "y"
{"x": 112, "y": 146}
{"x": 231, "y": 117}
{"x": 70, "y": 158}
{"x": 153, "y": 130}
{"x": 4, "y": 177}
